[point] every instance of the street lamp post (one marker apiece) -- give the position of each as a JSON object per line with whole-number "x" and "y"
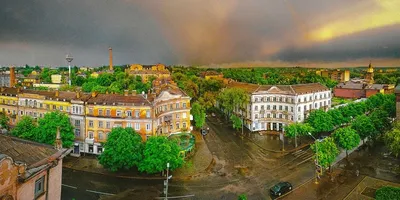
{"x": 316, "y": 156}
{"x": 166, "y": 183}
{"x": 69, "y": 59}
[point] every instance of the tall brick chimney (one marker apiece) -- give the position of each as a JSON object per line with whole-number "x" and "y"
{"x": 12, "y": 76}
{"x": 111, "y": 58}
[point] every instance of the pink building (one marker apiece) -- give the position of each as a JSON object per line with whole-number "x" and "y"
{"x": 29, "y": 170}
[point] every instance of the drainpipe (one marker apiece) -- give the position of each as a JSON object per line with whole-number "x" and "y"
{"x": 47, "y": 183}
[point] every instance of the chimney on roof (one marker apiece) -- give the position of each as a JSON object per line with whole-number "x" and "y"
{"x": 78, "y": 94}
{"x": 133, "y": 92}
{"x": 57, "y": 93}
{"x": 111, "y": 58}
{"x": 12, "y": 76}
{"x": 58, "y": 143}
{"x": 106, "y": 91}
{"x": 126, "y": 92}
{"x": 94, "y": 94}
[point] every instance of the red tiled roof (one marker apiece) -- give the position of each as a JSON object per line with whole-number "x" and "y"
{"x": 290, "y": 89}
{"x": 118, "y": 99}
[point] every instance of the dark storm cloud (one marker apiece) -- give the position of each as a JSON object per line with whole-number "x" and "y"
{"x": 177, "y": 31}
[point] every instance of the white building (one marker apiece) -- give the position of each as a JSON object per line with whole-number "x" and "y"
{"x": 273, "y": 107}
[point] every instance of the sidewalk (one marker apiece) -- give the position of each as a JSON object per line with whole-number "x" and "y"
{"x": 193, "y": 166}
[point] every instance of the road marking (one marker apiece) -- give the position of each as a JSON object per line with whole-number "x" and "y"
{"x": 69, "y": 186}
{"x": 177, "y": 197}
{"x": 97, "y": 192}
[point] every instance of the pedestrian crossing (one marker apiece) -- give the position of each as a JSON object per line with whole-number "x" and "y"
{"x": 303, "y": 154}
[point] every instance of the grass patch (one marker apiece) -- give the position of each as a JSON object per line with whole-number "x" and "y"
{"x": 339, "y": 101}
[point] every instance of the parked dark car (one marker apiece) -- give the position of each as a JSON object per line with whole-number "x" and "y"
{"x": 281, "y": 188}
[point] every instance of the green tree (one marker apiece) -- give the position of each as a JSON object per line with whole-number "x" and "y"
{"x": 337, "y": 117}
{"x": 392, "y": 140}
{"x": 320, "y": 121}
{"x": 208, "y": 100}
{"x": 389, "y": 105}
{"x": 242, "y": 197}
{"x": 158, "y": 152}
{"x": 236, "y": 122}
{"x": 25, "y": 128}
{"x": 199, "y": 114}
{"x": 47, "y": 129}
{"x": 380, "y": 120}
{"x": 363, "y": 126}
{"x": 88, "y": 86}
{"x": 233, "y": 98}
{"x": 122, "y": 150}
{"x": 298, "y": 129}
{"x": 4, "y": 120}
{"x": 327, "y": 151}
{"x": 346, "y": 138}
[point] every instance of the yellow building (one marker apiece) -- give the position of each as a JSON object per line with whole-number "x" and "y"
{"x": 94, "y": 75}
{"x": 335, "y": 75}
{"x": 165, "y": 111}
{"x": 56, "y": 78}
{"x": 171, "y": 108}
{"x": 212, "y": 75}
{"x": 147, "y": 71}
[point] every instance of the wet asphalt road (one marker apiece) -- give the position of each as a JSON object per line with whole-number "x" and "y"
{"x": 80, "y": 185}
{"x": 223, "y": 182}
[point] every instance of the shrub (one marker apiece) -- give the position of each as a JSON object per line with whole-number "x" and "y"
{"x": 387, "y": 193}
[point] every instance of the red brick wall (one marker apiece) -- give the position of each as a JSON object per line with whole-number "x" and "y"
{"x": 371, "y": 92}
{"x": 349, "y": 93}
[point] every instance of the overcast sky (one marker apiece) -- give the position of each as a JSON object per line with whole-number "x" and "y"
{"x": 196, "y": 32}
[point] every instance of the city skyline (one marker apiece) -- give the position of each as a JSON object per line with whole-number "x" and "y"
{"x": 202, "y": 32}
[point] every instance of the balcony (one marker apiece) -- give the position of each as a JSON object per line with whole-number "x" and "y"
{"x": 89, "y": 141}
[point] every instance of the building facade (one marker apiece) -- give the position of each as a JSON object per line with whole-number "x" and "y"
{"x": 147, "y": 71}
{"x": 29, "y": 170}
{"x": 335, "y": 75}
{"x": 171, "y": 108}
{"x": 272, "y": 107}
{"x": 163, "y": 111}
{"x": 361, "y": 89}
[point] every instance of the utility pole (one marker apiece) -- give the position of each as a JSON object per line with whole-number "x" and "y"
{"x": 166, "y": 183}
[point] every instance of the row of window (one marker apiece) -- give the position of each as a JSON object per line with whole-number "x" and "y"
{"x": 274, "y": 99}
{"x": 119, "y": 113}
{"x": 274, "y": 116}
{"x": 274, "y": 107}
{"x": 286, "y": 108}
{"x": 169, "y": 107}
{"x": 290, "y": 99}
{"x": 322, "y": 103}
{"x": 107, "y": 125}
{"x": 7, "y": 102}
